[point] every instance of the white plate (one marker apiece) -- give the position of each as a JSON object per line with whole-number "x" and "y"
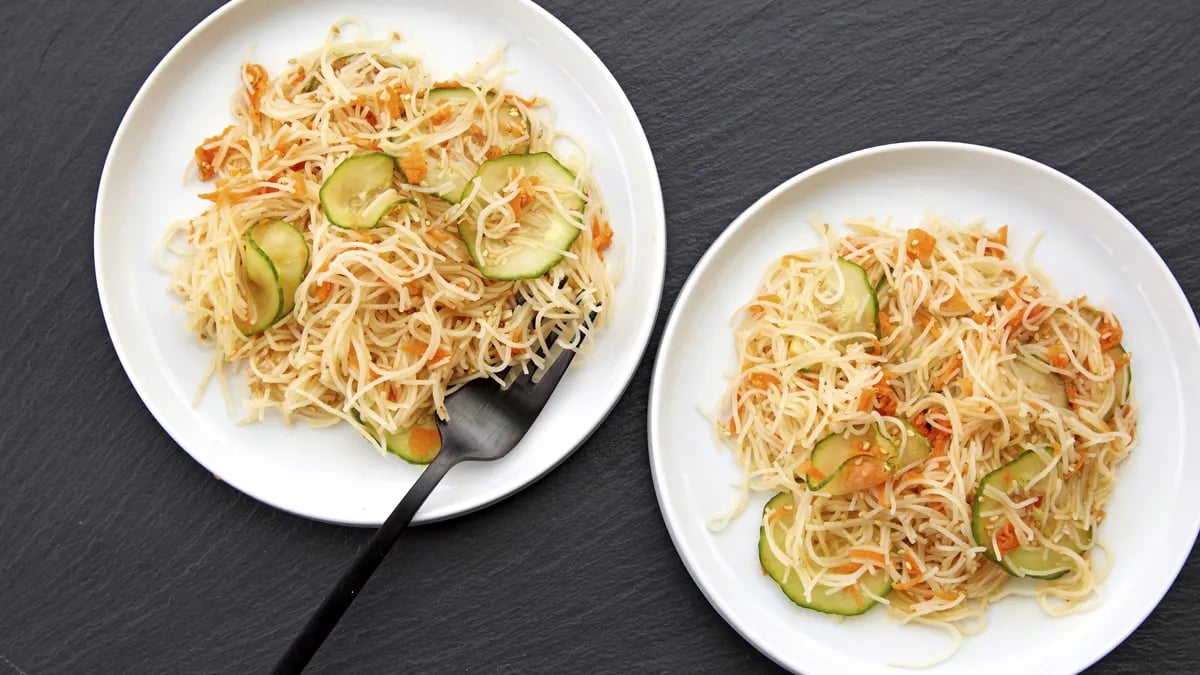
{"x": 1088, "y": 248}
{"x": 333, "y": 474}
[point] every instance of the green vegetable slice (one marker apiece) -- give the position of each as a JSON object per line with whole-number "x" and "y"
{"x": 416, "y": 444}
{"x": 827, "y": 599}
{"x": 1033, "y": 559}
{"x": 1043, "y": 383}
{"x": 287, "y": 250}
{"x": 858, "y": 309}
{"x": 847, "y": 463}
{"x": 359, "y": 192}
{"x": 1121, "y": 384}
{"x": 262, "y": 289}
{"x": 544, "y": 231}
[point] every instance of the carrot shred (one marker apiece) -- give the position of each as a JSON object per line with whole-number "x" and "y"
{"x": 812, "y": 472}
{"x": 918, "y": 245}
{"x": 1006, "y": 540}
{"x": 438, "y": 234}
{"x": 848, "y": 568}
{"x": 1110, "y": 333}
{"x": 885, "y": 324}
{"x": 414, "y": 167}
{"x": 1077, "y": 465}
{"x": 778, "y": 513}
{"x": 905, "y": 585}
{"x": 912, "y": 565}
{"x": 255, "y": 78}
{"x": 441, "y": 115}
{"x": 762, "y": 380}
{"x": 948, "y": 370}
{"x": 324, "y": 290}
{"x": 866, "y": 554}
{"x": 602, "y": 235}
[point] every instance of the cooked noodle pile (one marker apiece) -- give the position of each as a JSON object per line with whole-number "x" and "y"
{"x": 388, "y": 320}
{"x": 955, "y": 315}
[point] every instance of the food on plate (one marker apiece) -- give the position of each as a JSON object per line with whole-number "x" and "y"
{"x": 376, "y": 237}
{"x": 933, "y": 420}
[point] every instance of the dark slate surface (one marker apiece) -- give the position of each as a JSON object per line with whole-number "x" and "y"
{"x": 119, "y": 554}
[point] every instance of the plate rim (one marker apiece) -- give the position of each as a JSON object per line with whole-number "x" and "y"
{"x": 641, "y": 335}
{"x": 1094, "y": 651}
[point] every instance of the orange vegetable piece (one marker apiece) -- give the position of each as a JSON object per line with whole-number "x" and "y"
{"x": 918, "y": 245}
{"x": 413, "y": 165}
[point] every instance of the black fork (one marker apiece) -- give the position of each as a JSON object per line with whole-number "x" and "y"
{"x": 486, "y": 422}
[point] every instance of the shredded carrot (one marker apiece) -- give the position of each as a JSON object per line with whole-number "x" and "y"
{"x": 205, "y": 155}
{"x": 912, "y": 564}
{"x": 441, "y": 115}
{"x": 885, "y": 324}
{"x": 438, "y": 234}
{"x": 1058, "y": 357}
{"x": 1077, "y": 465}
{"x": 1006, "y": 540}
{"x": 914, "y": 474}
{"x": 255, "y": 77}
{"x": 940, "y": 442}
{"x": 905, "y": 585}
{"x": 733, "y": 427}
{"x": 865, "y": 398}
{"x": 979, "y": 318}
{"x": 762, "y": 380}
{"x": 948, "y": 370}
{"x": 881, "y": 494}
{"x": 424, "y": 442}
{"x": 997, "y": 243}
{"x": 945, "y": 595}
{"x": 918, "y": 245}
{"x": 848, "y": 568}
{"x": 1099, "y": 514}
{"x": 812, "y": 472}
{"x": 324, "y": 290}
{"x": 447, "y": 84}
{"x": 866, "y": 554}
{"x": 778, "y": 513}
{"x": 1110, "y": 333}
{"x": 602, "y": 234}
{"x": 414, "y": 167}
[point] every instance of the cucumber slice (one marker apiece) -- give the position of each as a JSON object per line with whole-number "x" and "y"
{"x": 1121, "y": 384}
{"x": 858, "y": 309}
{"x": 825, "y": 599}
{"x": 1032, "y": 559}
{"x": 263, "y": 291}
{"x": 417, "y": 444}
{"x": 448, "y": 173}
{"x": 285, "y": 247}
{"x": 359, "y": 192}
{"x": 847, "y": 464}
{"x": 547, "y": 230}
{"x": 1045, "y": 384}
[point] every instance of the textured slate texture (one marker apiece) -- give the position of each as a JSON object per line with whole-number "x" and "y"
{"x": 577, "y": 573}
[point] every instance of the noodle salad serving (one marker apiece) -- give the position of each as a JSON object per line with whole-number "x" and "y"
{"x": 934, "y": 421}
{"x": 377, "y": 238}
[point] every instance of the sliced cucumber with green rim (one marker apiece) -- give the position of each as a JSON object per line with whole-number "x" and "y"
{"x": 1045, "y": 384}
{"x": 543, "y": 233}
{"x": 1016, "y": 479}
{"x": 264, "y": 295}
{"x": 417, "y": 444}
{"x": 851, "y": 462}
{"x": 359, "y": 192}
{"x": 285, "y": 247}
{"x": 848, "y": 601}
{"x": 1121, "y": 384}
{"x": 858, "y": 309}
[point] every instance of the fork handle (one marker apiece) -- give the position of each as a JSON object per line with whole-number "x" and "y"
{"x": 323, "y": 621}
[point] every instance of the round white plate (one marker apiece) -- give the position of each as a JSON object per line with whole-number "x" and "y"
{"x": 333, "y": 474}
{"x": 1088, "y": 248}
